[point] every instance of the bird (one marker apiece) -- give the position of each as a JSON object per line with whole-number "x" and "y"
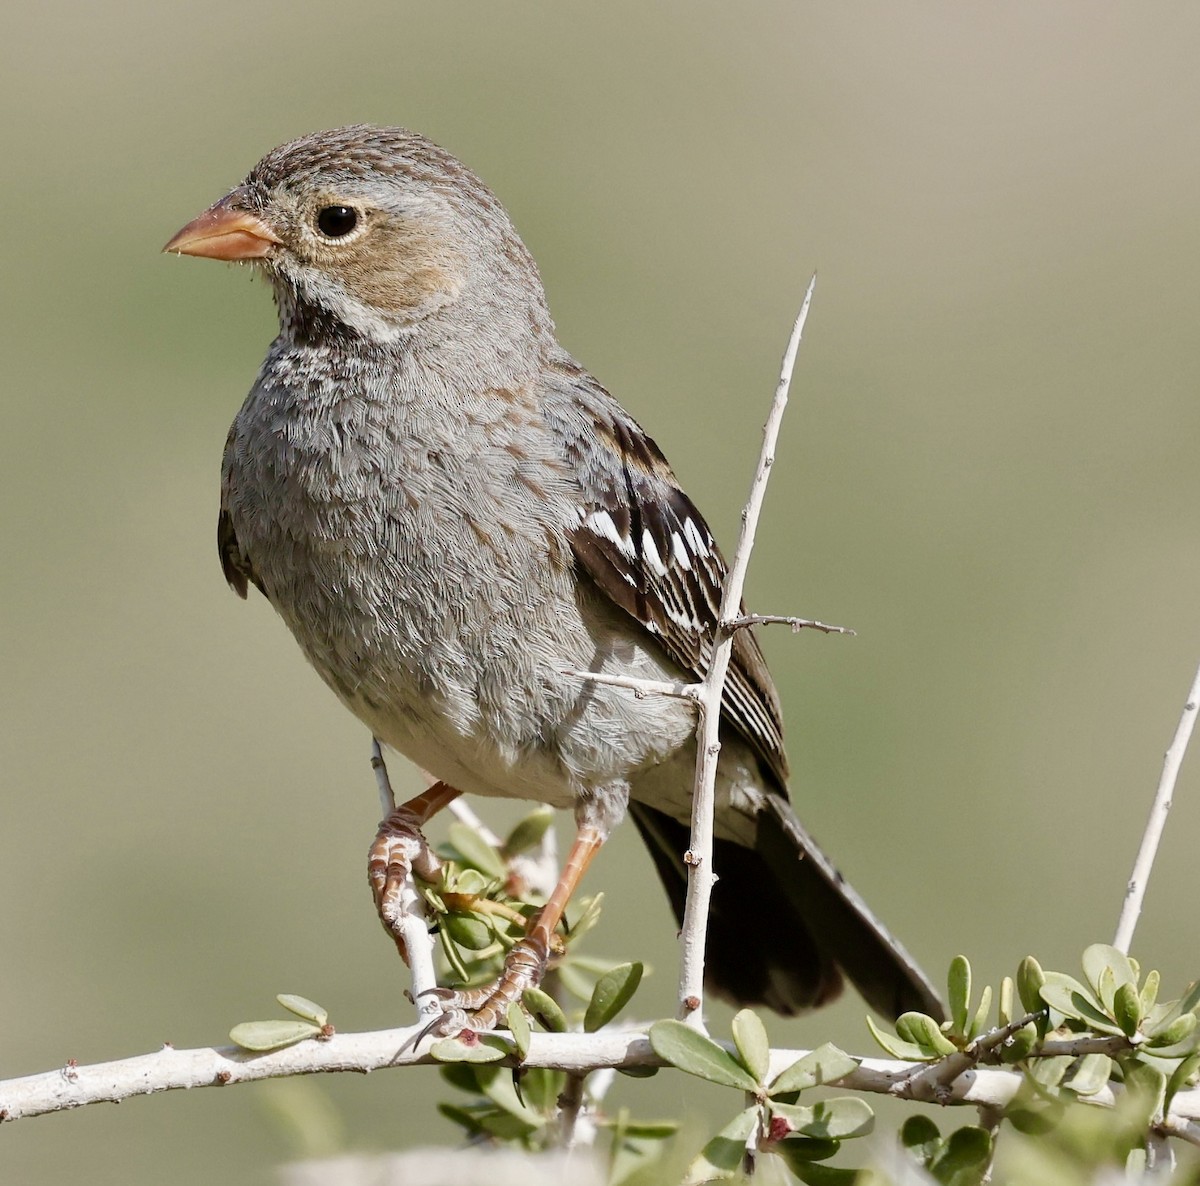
{"x": 457, "y": 523}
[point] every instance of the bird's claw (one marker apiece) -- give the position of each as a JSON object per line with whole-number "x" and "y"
{"x": 484, "y": 1008}
{"x": 398, "y": 850}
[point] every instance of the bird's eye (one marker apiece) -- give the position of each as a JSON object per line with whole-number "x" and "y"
{"x": 334, "y": 222}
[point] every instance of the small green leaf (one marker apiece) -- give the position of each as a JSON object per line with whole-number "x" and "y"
{"x": 897, "y": 1047}
{"x": 545, "y": 1010}
{"x": 1101, "y": 962}
{"x": 1020, "y": 1044}
{"x": 1049, "y": 1072}
{"x": 541, "y": 1088}
{"x": 827, "y": 1175}
{"x": 1071, "y": 999}
{"x": 1146, "y": 1084}
{"x": 1005, "y": 1012}
{"x": 1191, "y": 999}
{"x": 979, "y": 1021}
{"x": 1030, "y": 979}
{"x": 1179, "y": 1078}
{"x": 639, "y": 1072}
{"x": 476, "y": 851}
{"x": 691, "y": 1051}
{"x": 527, "y": 833}
{"x": 721, "y": 1158}
{"x": 462, "y": 1077}
{"x": 478, "y": 1048}
{"x": 271, "y": 1035}
{"x": 924, "y": 1032}
{"x": 1031, "y": 1121}
{"x": 1178, "y": 1031}
{"x": 1174, "y": 1051}
{"x": 303, "y": 1007}
{"x": 967, "y": 1149}
{"x": 589, "y": 915}
{"x": 753, "y": 1046}
{"x": 504, "y": 1126}
{"x": 1149, "y": 992}
{"x": 611, "y": 994}
{"x": 1127, "y": 1008}
{"x": 518, "y": 1026}
{"x": 1159, "y": 1016}
{"x": 462, "y": 1117}
{"x": 836, "y": 1119}
{"x": 498, "y": 1085}
{"x": 453, "y": 958}
{"x": 920, "y": 1136}
{"x": 800, "y": 1151}
{"x": 649, "y": 1130}
{"x": 463, "y": 879}
{"x": 823, "y": 1065}
{"x": 469, "y": 931}
{"x": 958, "y": 984}
{"x": 1091, "y": 1075}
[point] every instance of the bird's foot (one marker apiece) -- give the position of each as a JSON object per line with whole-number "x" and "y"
{"x": 484, "y": 1008}
{"x": 398, "y": 850}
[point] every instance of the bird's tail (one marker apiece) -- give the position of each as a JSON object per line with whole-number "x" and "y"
{"x": 784, "y": 925}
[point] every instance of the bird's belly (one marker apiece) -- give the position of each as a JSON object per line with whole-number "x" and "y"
{"x": 473, "y": 684}
{"x": 531, "y": 730}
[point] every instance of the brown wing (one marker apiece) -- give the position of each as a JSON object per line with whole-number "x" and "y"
{"x": 643, "y": 543}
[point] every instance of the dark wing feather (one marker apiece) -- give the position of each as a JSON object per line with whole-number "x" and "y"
{"x": 235, "y": 564}
{"x": 644, "y": 544}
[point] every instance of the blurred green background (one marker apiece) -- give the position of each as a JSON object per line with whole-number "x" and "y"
{"x": 989, "y": 471}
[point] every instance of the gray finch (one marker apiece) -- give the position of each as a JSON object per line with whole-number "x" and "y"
{"x": 450, "y": 513}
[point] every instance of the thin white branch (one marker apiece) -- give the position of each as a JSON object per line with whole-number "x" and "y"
{"x": 387, "y": 797}
{"x": 935, "y": 1078}
{"x": 419, "y": 945}
{"x": 797, "y": 624}
{"x": 1136, "y": 889}
{"x": 640, "y": 687}
{"x": 169, "y": 1069}
{"x": 414, "y": 926}
{"x": 570, "y": 1108}
{"x": 466, "y": 814}
{"x": 701, "y": 874}
{"x": 1183, "y": 1129}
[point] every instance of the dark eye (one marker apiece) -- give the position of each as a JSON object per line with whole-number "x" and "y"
{"x": 335, "y": 221}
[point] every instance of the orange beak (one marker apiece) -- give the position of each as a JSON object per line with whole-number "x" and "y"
{"x": 224, "y": 231}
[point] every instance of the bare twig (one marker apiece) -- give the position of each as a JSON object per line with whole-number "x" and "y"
{"x": 1160, "y": 1156}
{"x": 797, "y": 624}
{"x": 1136, "y": 889}
{"x": 641, "y": 687}
{"x": 466, "y": 814}
{"x": 169, "y": 1069}
{"x": 1078, "y": 1047}
{"x": 701, "y": 874}
{"x": 990, "y": 1120}
{"x": 387, "y": 797}
{"x": 414, "y": 926}
{"x": 1183, "y": 1129}
{"x": 929, "y": 1081}
{"x": 570, "y": 1104}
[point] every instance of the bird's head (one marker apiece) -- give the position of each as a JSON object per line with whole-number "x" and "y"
{"x": 373, "y": 230}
